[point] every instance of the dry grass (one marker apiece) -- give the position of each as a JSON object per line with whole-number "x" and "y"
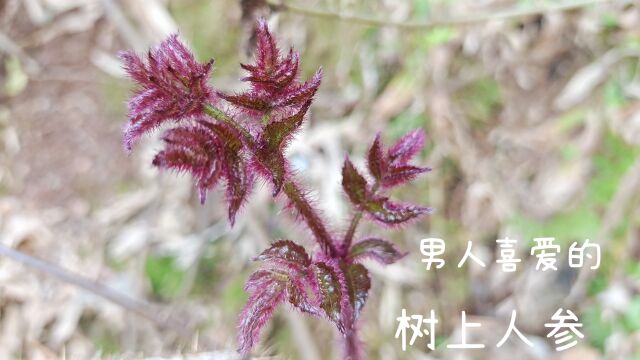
{"x": 533, "y": 119}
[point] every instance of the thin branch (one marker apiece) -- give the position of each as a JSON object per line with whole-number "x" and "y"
{"x": 419, "y": 25}
{"x": 144, "y": 309}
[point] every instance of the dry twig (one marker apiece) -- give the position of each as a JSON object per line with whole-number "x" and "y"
{"x": 148, "y": 311}
{"x": 421, "y": 25}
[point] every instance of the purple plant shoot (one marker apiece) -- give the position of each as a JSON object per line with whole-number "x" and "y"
{"x": 232, "y": 140}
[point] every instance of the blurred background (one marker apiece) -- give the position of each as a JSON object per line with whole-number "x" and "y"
{"x": 532, "y": 111}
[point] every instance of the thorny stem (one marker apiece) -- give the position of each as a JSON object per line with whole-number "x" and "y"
{"x": 415, "y": 25}
{"x": 295, "y": 195}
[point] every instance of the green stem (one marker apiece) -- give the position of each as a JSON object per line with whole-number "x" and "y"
{"x": 220, "y": 115}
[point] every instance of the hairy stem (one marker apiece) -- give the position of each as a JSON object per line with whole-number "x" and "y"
{"x": 310, "y": 215}
{"x": 220, "y": 115}
{"x": 352, "y": 346}
{"x": 353, "y": 225}
{"x": 295, "y": 195}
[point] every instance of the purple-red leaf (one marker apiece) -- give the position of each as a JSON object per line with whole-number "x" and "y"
{"x": 354, "y": 184}
{"x": 376, "y": 160}
{"x": 299, "y": 297}
{"x": 405, "y": 148}
{"x": 330, "y": 289}
{"x": 248, "y": 101}
{"x": 208, "y": 151}
{"x": 276, "y": 133}
{"x": 275, "y": 98}
{"x": 287, "y": 71}
{"x": 262, "y": 278}
{"x": 275, "y": 165}
{"x": 300, "y": 94}
{"x": 267, "y": 52}
{"x": 390, "y": 213}
{"x": 401, "y": 175}
{"x": 273, "y": 141}
{"x": 225, "y": 135}
{"x": 358, "y": 284}
{"x": 392, "y": 169}
{"x": 257, "y": 312}
{"x": 273, "y": 78}
{"x": 286, "y": 252}
{"x": 269, "y": 287}
{"x": 280, "y": 78}
{"x": 377, "y": 249}
{"x": 192, "y": 149}
{"x": 239, "y": 180}
{"x": 172, "y": 86}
